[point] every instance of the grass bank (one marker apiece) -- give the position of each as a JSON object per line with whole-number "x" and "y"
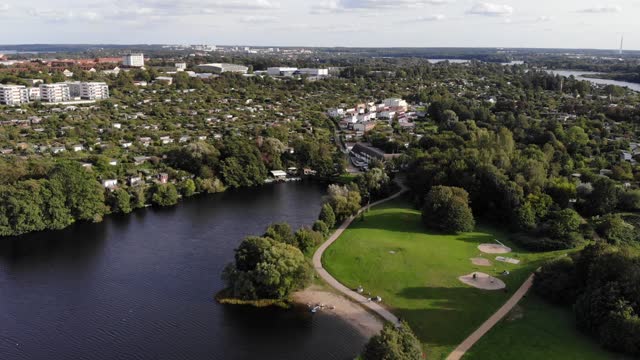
{"x": 536, "y": 330}
{"x": 415, "y": 272}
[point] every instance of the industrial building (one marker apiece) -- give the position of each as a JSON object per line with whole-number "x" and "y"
{"x": 220, "y": 68}
{"x": 13, "y": 94}
{"x": 314, "y": 72}
{"x": 133, "y": 60}
{"x": 281, "y": 71}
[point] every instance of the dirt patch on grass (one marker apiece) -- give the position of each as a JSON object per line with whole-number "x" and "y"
{"x": 494, "y": 249}
{"x": 480, "y": 261}
{"x": 482, "y": 281}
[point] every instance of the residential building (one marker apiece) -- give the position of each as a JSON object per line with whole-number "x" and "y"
{"x": 396, "y": 103}
{"x": 55, "y": 92}
{"x": 33, "y": 93}
{"x": 219, "y": 68}
{"x": 181, "y": 66}
{"x": 93, "y": 91}
{"x": 336, "y": 112}
{"x": 133, "y": 60}
{"x": 367, "y": 153}
{"x": 166, "y": 79}
{"x": 13, "y": 94}
{"x": 364, "y": 127}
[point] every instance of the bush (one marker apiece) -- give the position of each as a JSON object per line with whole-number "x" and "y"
{"x": 556, "y": 281}
{"x": 541, "y": 243}
{"x": 615, "y": 230}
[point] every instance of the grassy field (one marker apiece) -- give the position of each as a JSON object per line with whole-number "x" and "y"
{"x": 415, "y": 272}
{"x": 536, "y": 330}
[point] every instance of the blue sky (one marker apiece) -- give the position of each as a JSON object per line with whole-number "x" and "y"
{"x": 371, "y": 23}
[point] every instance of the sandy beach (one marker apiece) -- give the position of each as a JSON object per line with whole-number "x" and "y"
{"x": 364, "y": 321}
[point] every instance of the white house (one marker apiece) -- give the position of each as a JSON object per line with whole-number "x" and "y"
{"x": 110, "y": 183}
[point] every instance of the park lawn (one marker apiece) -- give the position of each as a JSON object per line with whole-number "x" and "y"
{"x": 419, "y": 281}
{"x": 534, "y": 330}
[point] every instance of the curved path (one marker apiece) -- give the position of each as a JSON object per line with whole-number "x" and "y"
{"x": 324, "y": 274}
{"x": 459, "y": 352}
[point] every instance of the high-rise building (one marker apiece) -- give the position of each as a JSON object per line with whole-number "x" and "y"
{"x": 133, "y": 60}
{"x": 55, "y": 92}
{"x": 13, "y": 94}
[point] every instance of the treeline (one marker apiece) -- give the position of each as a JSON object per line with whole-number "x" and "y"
{"x": 535, "y": 176}
{"x": 602, "y": 285}
{"x": 274, "y": 265}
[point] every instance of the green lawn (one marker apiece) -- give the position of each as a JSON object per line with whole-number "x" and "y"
{"x": 419, "y": 281}
{"x": 536, "y": 330}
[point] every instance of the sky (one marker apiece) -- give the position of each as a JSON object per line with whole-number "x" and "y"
{"x": 354, "y": 23}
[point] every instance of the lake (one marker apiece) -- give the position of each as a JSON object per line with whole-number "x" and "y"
{"x": 579, "y": 75}
{"x": 141, "y": 286}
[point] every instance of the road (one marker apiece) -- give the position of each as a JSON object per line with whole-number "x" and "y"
{"x": 334, "y": 283}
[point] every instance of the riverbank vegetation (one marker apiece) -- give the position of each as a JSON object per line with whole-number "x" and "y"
{"x": 267, "y": 269}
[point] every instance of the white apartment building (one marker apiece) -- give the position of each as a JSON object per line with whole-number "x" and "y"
{"x": 94, "y": 90}
{"x": 13, "y": 94}
{"x": 33, "y": 93}
{"x": 55, "y": 92}
{"x": 181, "y": 66}
{"x": 133, "y": 60}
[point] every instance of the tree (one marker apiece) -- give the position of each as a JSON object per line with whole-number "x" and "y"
{"x": 327, "y": 215}
{"x": 447, "y": 209}
{"x": 562, "y": 224}
{"x": 630, "y": 200}
{"x": 266, "y": 269}
{"x": 321, "y": 227}
{"x": 187, "y": 188}
{"x": 280, "y": 232}
{"x": 393, "y": 343}
{"x": 603, "y": 199}
{"x": 615, "y": 230}
{"x": 343, "y": 200}
{"x": 306, "y": 239}
{"x": 165, "y": 195}
{"x": 120, "y": 201}
{"x": 84, "y": 195}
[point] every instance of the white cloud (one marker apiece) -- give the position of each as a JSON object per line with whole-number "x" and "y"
{"x": 435, "y": 17}
{"x": 4, "y": 8}
{"x": 544, "y": 18}
{"x": 606, "y": 9}
{"x": 490, "y": 9}
{"x": 259, "y": 19}
{"x": 328, "y": 6}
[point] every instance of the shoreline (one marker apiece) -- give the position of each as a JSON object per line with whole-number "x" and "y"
{"x": 362, "y": 320}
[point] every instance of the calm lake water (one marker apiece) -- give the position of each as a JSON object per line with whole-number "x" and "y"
{"x": 142, "y": 286}
{"x": 579, "y": 75}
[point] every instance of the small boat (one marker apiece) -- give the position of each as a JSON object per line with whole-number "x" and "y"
{"x": 315, "y": 309}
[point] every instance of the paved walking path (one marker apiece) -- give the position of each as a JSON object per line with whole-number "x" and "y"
{"x": 317, "y": 264}
{"x": 459, "y": 352}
